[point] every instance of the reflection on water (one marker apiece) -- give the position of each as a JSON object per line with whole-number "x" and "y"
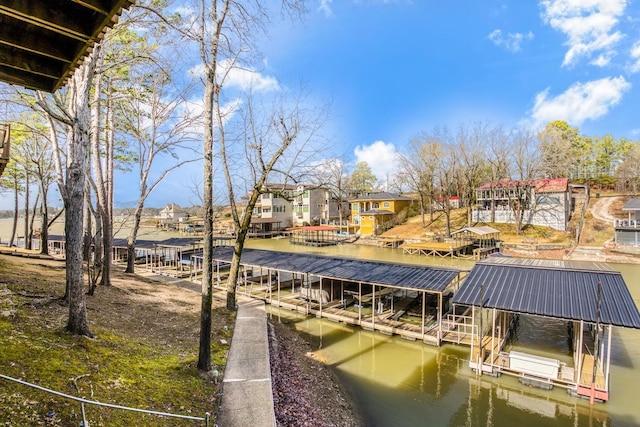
{"x": 404, "y": 383}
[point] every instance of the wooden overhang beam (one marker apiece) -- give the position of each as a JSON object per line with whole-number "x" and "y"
{"x": 43, "y": 41}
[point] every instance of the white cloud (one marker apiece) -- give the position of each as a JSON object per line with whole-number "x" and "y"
{"x": 241, "y": 78}
{"x": 511, "y": 42}
{"x": 635, "y": 56}
{"x": 588, "y": 25}
{"x": 325, "y": 6}
{"x": 582, "y": 101}
{"x": 382, "y": 158}
{"x": 602, "y": 60}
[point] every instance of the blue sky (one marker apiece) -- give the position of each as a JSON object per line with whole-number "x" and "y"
{"x": 394, "y": 68}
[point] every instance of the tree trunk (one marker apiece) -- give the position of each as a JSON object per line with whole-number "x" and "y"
{"x": 16, "y": 211}
{"x": 74, "y": 200}
{"x": 232, "y": 283}
{"x": 204, "y": 351}
{"x": 108, "y": 225}
{"x": 32, "y": 221}
{"x": 102, "y": 198}
{"x": 44, "y": 233}
{"x": 131, "y": 243}
{"x": 27, "y": 244}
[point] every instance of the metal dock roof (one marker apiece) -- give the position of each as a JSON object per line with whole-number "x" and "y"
{"x": 560, "y": 289}
{"x": 426, "y": 278}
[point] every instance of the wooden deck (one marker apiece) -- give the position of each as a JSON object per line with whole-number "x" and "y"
{"x": 334, "y": 310}
{"x": 586, "y": 375}
{"x": 390, "y": 242}
{"x": 441, "y": 249}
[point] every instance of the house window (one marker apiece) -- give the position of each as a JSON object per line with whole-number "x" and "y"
{"x": 375, "y": 205}
{"x": 370, "y": 218}
{"x": 386, "y": 204}
{"x": 305, "y": 208}
{"x": 266, "y": 210}
{"x": 356, "y": 207}
{"x": 547, "y": 200}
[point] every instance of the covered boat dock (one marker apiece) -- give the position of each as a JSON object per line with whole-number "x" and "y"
{"x": 591, "y": 297}
{"x": 394, "y": 299}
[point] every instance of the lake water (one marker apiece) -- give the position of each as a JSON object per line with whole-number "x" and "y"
{"x": 402, "y": 383}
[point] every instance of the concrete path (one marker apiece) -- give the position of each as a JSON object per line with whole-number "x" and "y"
{"x": 247, "y": 400}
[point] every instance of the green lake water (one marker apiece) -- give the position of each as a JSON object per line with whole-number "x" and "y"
{"x": 402, "y": 383}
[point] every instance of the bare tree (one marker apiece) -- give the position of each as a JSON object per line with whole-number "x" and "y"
{"x": 76, "y": 117}
{"x": 331, "y": 174}
{"x": 276, "y": 141}
{"x": 418, "y": 169}
{"x": 524, "y": 169}
{"x": 629, "y": 170}
{"x": 36, "y": 152}
{"x": 497, "y": 158}
{"x": 224, "y": 32}
{"x": 470, "y": 143}
{"x": 157, "y": 125}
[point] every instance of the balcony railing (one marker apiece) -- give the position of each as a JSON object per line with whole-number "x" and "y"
{"x": 625, "y": 223}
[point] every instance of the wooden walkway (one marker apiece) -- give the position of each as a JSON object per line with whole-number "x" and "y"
{"x": 586, "y": 375}
{"x": 441, "y": 249}
{"x": 334, "y": 311}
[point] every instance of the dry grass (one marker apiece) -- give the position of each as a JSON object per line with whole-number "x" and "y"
{"x": 143, "y": 356}
{"x": 413, "y": 229}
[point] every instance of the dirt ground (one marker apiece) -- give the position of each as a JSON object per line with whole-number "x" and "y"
{"x": 306, "y": 392}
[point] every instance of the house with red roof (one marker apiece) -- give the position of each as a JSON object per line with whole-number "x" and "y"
{"x": 545, "y": 202}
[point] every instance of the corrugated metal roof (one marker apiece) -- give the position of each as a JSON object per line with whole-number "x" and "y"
{"x": 560, "y": 289}
{"x": 377, "y": 212}
{"x": 381, "y": 196}
{"x": 632, "y": 205}
{"x": 434, "y": 279}
{"x": 480, "y": 230}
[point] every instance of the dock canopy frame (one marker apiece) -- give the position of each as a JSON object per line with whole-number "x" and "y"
{"x": 339, "y": 289}
{"x": 425, "y": 278}
{"x": 564, "y": 290}
{"x": 577, "y": 292}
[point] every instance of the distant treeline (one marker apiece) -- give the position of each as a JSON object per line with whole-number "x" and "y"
{"x": 192, "y": 211}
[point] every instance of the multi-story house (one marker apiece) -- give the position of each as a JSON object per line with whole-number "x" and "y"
{"x": 296, "y": 205}
{"x": 171, "y": 215}
{"x": 315, "y": 205}
{"x": 276, "y": 205}
{"x": 545, "y": 202}
{"x": 628, "y": 230}
{"x": 373, "y": 212}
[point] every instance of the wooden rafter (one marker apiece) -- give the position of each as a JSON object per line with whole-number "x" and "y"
{"x": 43, "y": 41}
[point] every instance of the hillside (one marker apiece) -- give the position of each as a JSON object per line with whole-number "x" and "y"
{"x": 413, "y": 229}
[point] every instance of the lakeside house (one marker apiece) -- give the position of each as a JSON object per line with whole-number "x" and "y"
{"x": 296, "y": 205}
{"x": 372, "y": 213}
{"x": 546, "y": 202}
{"x": 628, "y": 230}
{"x": 172, "y": 215}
